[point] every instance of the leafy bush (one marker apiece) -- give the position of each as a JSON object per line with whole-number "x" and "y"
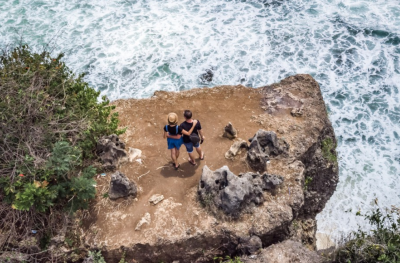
{"x": 328, "y": 150}
{"x": 96, "y": 256}
{"x": 49, "y": 126}
{"x": 382, "y": 244}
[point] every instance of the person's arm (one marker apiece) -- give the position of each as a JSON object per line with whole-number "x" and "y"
{"x": 165, "y": 134}
{"x": 191, "y": 130}
{"x": 201, "y": 135}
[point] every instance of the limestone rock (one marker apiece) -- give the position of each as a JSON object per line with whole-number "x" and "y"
{"x": 121, "y": 186}
{"x": 285, "y": 252}
{"x": 111, "y": 151}
{"x": 297, "y": 112}
{"x": 155, "y": 199}
{"x": 236, "y": 148}
{"x": 229, "y": 131}
{"x": 146, "y": 219}
{"x": 263, "y": 146}
{"x": 250, "y": 246}
{"x": 223, "y": 190}
{"x": 271, "y": 181}
{"x": 134, "y": 154}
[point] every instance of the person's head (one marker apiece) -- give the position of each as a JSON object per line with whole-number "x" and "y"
{"x": 187, "y": 114}
{"x": 172, "y": 118}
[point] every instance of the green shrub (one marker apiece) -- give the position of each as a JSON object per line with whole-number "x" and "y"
{"x": 97, "y": 257}
{"x": 382, "y": 244}
{"x": 328, "y": 147}
{"x": 49, "y": 124}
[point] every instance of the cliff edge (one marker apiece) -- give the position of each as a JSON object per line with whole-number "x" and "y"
{"x": 183, "y": 226}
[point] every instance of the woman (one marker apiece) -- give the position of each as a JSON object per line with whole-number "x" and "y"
{"x": 174, "y": 144}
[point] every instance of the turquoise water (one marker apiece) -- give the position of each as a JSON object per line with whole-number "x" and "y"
{"x": 352, "y": 47}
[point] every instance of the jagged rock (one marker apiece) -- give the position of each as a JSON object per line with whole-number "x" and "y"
{"x": 285, "y": 252}
{"x": 146, "y": 219}
{"x": 155, "y": 199}
{"x": 223, "y": 190}
{"x": 208, "y": 76}
{"x": 250, "y": 246}
{"x": 236, "y": 148}
{"x": 121, "y": 186}
{"x": 271, "y": 181}
{"x": 297, "y": 112}
{"x": 111, "y": 151}
{"x": 263, "y": 146}
{"x": 229, "y": 131}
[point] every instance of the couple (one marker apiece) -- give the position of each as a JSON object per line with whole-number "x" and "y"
{"x": 192, "y": 137}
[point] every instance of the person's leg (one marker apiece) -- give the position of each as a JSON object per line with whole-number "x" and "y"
{"x": 177, "y": 153}
{"x": 173, "y": 157}
{"x": 189, "y": 148}
{"x": 199, "y": 152}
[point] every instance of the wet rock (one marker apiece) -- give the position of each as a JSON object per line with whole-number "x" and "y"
{"x": 111, "y": 151}
{"x": 155, "y": 199}
{"x": 236, "y": 149}
{"x": 208, "y": 76}
{"x": 146, "y": 219}
{"x": 250, "y": 246}
{"x": 229, "y": 131}
{"x": 222, "y": 190}
{"x": 263, "y": 146}
{"x": 121, "y": 186}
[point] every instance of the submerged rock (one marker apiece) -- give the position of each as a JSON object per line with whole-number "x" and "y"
{"x": 208, "y": 76}
{"x": 263, "y": 146}
{"x": 121, "y": 186}
{"x": 111, "y": 151}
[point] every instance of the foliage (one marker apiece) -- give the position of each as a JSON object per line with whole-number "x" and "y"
{"x": 97, "y": 257}
{"x": 307, "y": 182}
{"x": 122, "y": 260}
{"x": 49, "y": 126}
{"x": 328, "y": 147}
{"x": 382, "y": 244}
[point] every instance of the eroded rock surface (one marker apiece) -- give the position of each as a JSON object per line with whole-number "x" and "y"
{"x": 186, "y": 230}
{"x": 229, "y": 131}
{"x": 121, "y": 186}
{"x": 236, "y": 148}
{"x": 111, "y": 151}
{"x": 286, "y": 252}
{"x": 263, "y": 146}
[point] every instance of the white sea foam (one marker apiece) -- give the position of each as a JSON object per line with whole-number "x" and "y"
{"x": 132, "y": 48}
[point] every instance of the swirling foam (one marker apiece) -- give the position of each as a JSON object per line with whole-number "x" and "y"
{"x": 132, "y": 48}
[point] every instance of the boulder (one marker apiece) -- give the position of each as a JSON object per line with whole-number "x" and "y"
{"x": 250, "y": 246}
{"x": 208, "y": 76}
{"x": 271, "y": 181}
{"x": 285, "y": 252}
{"x": 229, "y": 131}
{"x": 121, "y": 186}
{"x": 111, "y": 151}
{"x": 263, "y": 146}
{"x": 155, "y": 199}
{"x": 235, "y": 149}
{"x": 222, "y": 190}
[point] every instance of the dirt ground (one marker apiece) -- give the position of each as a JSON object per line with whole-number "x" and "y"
{"x": 145, "y": 119}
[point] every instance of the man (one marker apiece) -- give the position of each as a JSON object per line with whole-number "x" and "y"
{"x": 187, "y": 125}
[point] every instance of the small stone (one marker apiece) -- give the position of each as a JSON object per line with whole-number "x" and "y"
{"x": 134, "y": 154}
{"x": 155, "y": 199}
{"x": 235, "y": 149}
{"x": 146, "y": 219}
{"x": 297, "y": 112}
{"x": 229, "y": 131}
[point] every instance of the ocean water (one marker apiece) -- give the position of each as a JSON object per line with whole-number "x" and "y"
{"x": 130, "y": 48}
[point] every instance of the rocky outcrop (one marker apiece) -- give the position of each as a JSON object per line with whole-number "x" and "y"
{"x": 263, "y": 146}
{"x": 111, "y": 151}
{"x": 228, "y": 211}
{"x": 121, "y": 186}
{"x": 286, "y": 252}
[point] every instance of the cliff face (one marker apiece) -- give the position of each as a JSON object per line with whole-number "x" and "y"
{"x": 182, "y": 226}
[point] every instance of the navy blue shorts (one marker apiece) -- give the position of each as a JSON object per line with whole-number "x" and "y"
{"x": 174, "y": 143}
{"x": 189, "y": 146}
